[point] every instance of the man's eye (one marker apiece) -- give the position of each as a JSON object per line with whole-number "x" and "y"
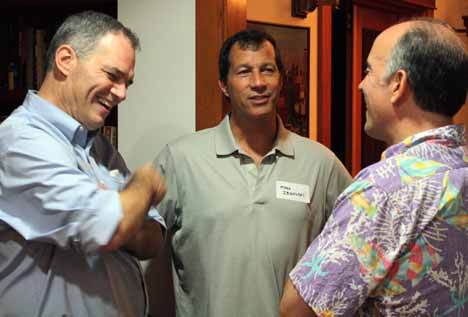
{"x": 269, "y": 70}
{"x": 367, "y": 70}
{"x": 112, "y": 76}
{"x": 243, "y": 71}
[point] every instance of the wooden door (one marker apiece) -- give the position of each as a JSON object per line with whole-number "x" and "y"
{"x": 369, "y": 18}
{"x": 367, "y": 24}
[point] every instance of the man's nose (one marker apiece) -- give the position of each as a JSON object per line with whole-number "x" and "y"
{"x": 120, "y": 91}
{"x": 360, "y": 84}
{"x": 257, "y": 80}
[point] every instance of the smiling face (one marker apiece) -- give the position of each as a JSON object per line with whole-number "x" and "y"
{"x": 99, "y": 81}
{"x": 377, "y": 91}
{"x": 253, "y": 82}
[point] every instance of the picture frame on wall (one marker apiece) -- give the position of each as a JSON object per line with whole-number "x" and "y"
{"x": 293, "y": 43}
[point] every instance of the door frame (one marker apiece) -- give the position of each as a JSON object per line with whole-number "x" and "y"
{"x": 215, "y": 21}
{"x": 402, "y": 8}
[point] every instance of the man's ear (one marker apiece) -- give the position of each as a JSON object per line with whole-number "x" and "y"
{"x": 399, "y": 86}
{"x": 223, "y": 88}
{"x": 65, "y": 59}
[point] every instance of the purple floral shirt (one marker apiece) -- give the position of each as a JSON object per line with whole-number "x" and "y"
{"x": 397, "y": 241}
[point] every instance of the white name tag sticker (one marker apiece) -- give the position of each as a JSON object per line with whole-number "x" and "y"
{"x": 293, "y": 191}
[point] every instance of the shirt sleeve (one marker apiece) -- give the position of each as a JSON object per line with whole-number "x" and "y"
{"x": 109, "y": 158}
{"x": 338, "y": 180}
{"x": 153, "y": 213}
{"x": 46, "y": 196}
{"x": 342, "y": 267}
{"x": 169, "y": 207}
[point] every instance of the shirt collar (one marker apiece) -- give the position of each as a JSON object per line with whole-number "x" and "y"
{"x": 226, "y": 144}
{"x": 70, "y": 128}
{"x": 283, "y": 142}
{"x": 450, "y": 135}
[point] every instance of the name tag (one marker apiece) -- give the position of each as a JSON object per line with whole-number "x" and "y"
{"x": 292, "y": 191}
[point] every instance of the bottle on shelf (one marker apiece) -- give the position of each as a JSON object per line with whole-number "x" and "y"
{"x": 12, "y": 76}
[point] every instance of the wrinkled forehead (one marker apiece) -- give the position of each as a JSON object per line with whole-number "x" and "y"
{"x": 248, "y": 46}
{"x": 378, "y": 53}
{"x": 239, "y": 52}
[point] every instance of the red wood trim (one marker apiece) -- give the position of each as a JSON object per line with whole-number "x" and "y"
{"x": 324, "y": 80}
{"x": 423, "y": 3}
{"x": 397, "y": 6}
{"x": 356, "y": 94}
{"x": 235, "y": 19}
{"x": 208, "y": 36}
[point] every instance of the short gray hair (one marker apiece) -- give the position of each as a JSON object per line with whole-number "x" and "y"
{"x": 82, "y": 31}
{"x": 436, "y": 61}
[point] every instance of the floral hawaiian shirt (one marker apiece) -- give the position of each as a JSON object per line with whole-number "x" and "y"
{"x": 397, "y": 241}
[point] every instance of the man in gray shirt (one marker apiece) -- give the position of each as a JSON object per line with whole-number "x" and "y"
{"x": 246, "y": 197}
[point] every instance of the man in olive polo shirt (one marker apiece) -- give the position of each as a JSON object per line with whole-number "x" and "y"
{"x": 246, "y": 197}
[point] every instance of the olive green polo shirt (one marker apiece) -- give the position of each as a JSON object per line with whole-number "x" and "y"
{"x": 238, "y": 229}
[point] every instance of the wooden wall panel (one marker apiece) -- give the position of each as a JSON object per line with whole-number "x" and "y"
{"x": 324, "y": 80}
{"x": 372, "y": 15}
{"x": 215, "y": 21}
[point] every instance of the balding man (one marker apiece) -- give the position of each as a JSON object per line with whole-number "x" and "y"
{"x": 385, "y": 251}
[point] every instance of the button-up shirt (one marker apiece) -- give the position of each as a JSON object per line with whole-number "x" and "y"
{"x": 57, "y": 208}
{"x": 396, "y": 243}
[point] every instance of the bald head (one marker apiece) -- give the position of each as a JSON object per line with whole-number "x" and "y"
{"x": 435, "y": 60}
{"x": 390, "y": 36}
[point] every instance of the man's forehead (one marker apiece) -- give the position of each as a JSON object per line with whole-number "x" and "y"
{"x": 239, "y": 52}
{"x": 377, "y": 55}
{"x": 251, "y": 45}
{"x": 383, "y": 45}
{"x": 387, "y": 39}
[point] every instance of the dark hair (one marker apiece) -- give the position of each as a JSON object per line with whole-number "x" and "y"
{"x": 247, "y": 39}
{"x": 436, "y": 62}
{"x": 82, "y": 31}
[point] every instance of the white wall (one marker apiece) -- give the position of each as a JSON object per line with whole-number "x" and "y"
{"x": 161, "y": 103}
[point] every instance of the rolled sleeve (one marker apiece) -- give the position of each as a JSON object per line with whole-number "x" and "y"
{"x": 168, "y": 206}
{"x": 153, "y": 213}
{"x": 47, "y": 197}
